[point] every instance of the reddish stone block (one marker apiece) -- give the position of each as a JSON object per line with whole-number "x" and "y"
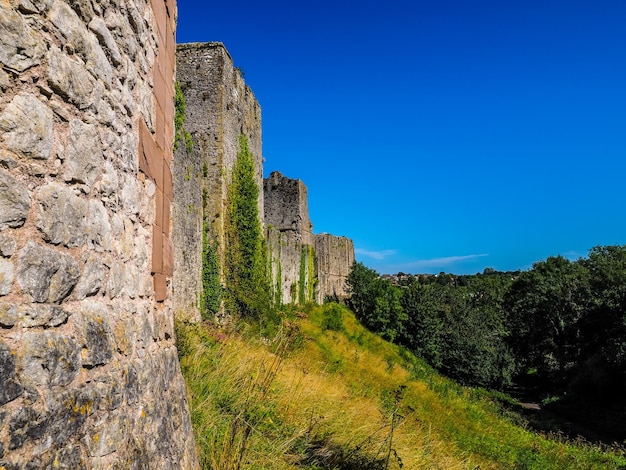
{"x": 157, "y": 249}
{"x": 168, "y": 111}
{"x": 169, "y": 143}
{"x": 160, "y": 18}
{"x": 158, "y": 216}
{"x": 168, "y": 256}
{"x": 166, "y": 215}
{"x": 144, "y": 135}
{"x": 167, "y": 182}
{"x": 170, "y": 48}
{"x": 152, "y": 156}
{"x": 160, "y": 88}
{"x": 160, "y": 134}
{"x": 160, "y": 287}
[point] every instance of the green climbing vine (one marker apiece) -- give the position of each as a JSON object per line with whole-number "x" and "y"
{"x": 302, "y": 278}
{"x": 247, "y": 282}
{"x": 306, "y": 281}
{"x": 274, "y": 236}
{"x": 180, "y": 107}
{"x": 311, "y": 274}
{"x": 211, "y": 296}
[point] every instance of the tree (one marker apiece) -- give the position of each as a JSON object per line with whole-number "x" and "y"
{"x": 375, "y": 301}
{"x": 246, "y": 258}
{"x": 545, "y": 306}
{"x": 424, "y": 306}
{"x": 604, "y": 332}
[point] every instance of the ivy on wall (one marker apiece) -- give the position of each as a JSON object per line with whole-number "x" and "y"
{"x": 247, "y": 282}
{"x": 311, "y": 272}
{"x": 180, "y": 134}
{"x": 211, "y": 296}
{"x": 277, "y": 287}
{"x": 306, "y": 281}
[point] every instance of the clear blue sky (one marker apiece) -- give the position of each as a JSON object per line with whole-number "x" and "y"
{"x": 440, "y": 135}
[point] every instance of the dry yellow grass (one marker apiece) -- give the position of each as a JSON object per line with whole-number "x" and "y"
{"x": 272, "y": 404}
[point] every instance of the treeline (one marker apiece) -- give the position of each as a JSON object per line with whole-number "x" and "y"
{"x": 561, "y": 324}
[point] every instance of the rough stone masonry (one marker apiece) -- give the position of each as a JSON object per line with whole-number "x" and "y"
{"x": 220, "y": 108}
{"x": 89, "y": 374}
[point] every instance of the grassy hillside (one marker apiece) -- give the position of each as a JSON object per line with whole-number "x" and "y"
{"x": 324, "y": 393}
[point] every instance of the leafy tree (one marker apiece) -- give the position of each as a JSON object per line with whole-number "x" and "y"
{"x": 475, "y": 352}
{"x": 247, "y": 281}
{"x": 375, "y": 301}
{"x": 211, "y": 295}
{"x": 424, "y": 306}
{"x": 603, "y": 340}
{"x": 545, "y": 307}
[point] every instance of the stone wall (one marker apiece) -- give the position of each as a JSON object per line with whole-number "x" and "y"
{"x": 334, "y": 256}
{"x": 286, "y": 206}
{"x": 289, "y": 238}
{"x": 220, "y": 108}
{"x": 304, "y": 267}
{"x": 89, "y": 374}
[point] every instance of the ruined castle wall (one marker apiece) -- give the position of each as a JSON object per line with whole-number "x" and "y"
{"x": 220, "y": 108}
{"x": 292, "y": 266}
{"x": 89, "y": 374}
{"x": 289, "y": 238}
{"x": 286, "y": 206}
{"x": 334, "y": 258}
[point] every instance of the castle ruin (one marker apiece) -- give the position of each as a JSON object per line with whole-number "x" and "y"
{"x": 102, "y": 225}
{"x": 220, "y": 108}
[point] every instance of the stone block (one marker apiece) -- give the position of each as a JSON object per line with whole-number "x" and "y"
{"x": 41, "y": 315}
{"x": 157, "y": 249}
{"x": 48, "y": 358}
{"x": 160, "y": 19}
{"x": 130, "y": 196}
{"x": 20, "y": 48}
{"x": 61, "y": 215}
{"x": 26, "y": 424}
{"x": 11, "y": 388}
{"x": 94, "y": 334}
{"x": 7, "y": 245}
{"x": 45, "y": 274}
{"x": 5, "y": 80}
{"x": 117, "y": 279}
{"x": 9, "y": 315}
{"x": 167, "y": 214}
{"x": 8, "y": 159}
{"x": 83, "y": 155}
{"x": 108, "y": 436}
{"x": 85, "y": 43}
{"x": 152, "y": 164}
{"x": 68, "y": 457}
{"x": 160, "y": 126}
{"x": 70, "y": 79}
{"x": 7, "y": 275}
{"x": 14, "y": 201}
{"x": 84, "y": 9}
{"x": 27, "y": 126}
{"x": 92, "y": 278}
{"x": 167, "y": 182}
{"x": 98, "y": 227}
{"x": 99, "y": 27}
{"x": 160, "y": 287}
{"x": 168, "y": 257}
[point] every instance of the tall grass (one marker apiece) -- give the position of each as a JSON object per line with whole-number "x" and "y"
{"x": 316, "y": 397}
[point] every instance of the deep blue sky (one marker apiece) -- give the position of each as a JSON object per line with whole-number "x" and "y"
{"x": 440, "y": 135}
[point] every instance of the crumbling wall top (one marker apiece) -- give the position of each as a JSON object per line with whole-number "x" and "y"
{"x": 286, "y": 204}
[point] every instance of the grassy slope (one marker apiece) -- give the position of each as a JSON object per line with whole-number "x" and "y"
{"x": 347, "y": 399}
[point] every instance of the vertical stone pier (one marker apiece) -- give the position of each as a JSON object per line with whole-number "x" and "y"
{"x": 89, "y": 374}
{"x": 220, "y": 108}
